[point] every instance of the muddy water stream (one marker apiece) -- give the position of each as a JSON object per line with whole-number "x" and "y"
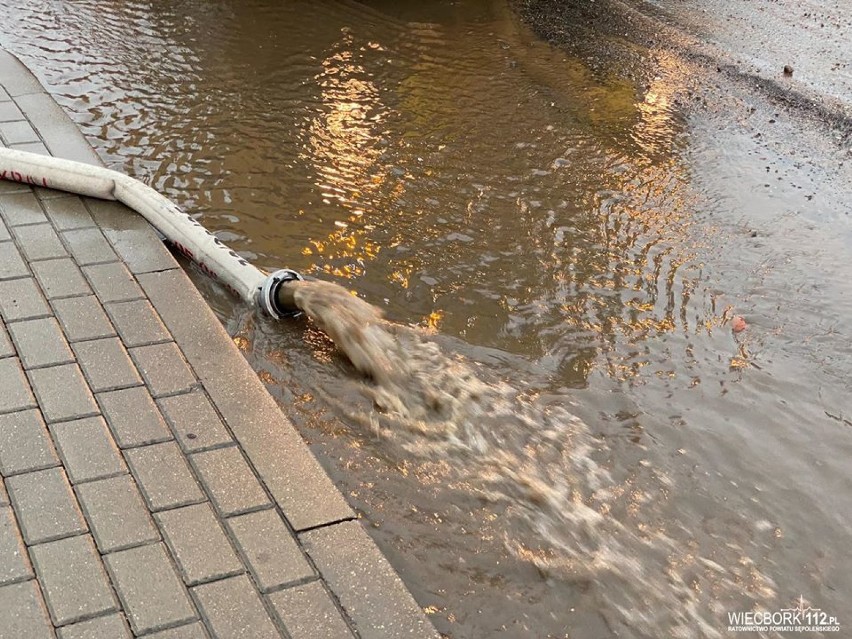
{"x": 559, "y": 238}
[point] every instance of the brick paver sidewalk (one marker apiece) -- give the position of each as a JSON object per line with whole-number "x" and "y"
{"x": 152, "y": 486}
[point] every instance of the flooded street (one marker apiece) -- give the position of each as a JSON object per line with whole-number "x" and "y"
{"x": 563, "y": 210}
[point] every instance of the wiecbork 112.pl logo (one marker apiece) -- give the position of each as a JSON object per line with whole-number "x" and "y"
{"x": 801, "y": 618}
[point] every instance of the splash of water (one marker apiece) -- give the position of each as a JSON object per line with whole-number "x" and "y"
{"x": 539, "y": 461}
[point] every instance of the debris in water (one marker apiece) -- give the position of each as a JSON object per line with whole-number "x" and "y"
{"x": 738, "y": 324}
{"x": 788, "y": 70}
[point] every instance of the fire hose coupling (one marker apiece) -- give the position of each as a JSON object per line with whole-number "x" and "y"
{"x": 272, "y": 300}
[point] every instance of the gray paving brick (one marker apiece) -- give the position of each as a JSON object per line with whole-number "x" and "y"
{"x": 9, "y": 112}
{"x": 8, "y": 187}
{"x": 164, "y": 476}
{"x": 112, "y": 282}
{"x": 110, "y": 627}
{"x": 73, "y": 580}
{"x": 22, "y": 299}
{"x": 89, "y": 246}
{"x": 274, "y": 446}
{"x": 15, "y": 393}
{"x": 44, "y": 193}
{"x": 137, "y": 323}
{"x": 31, "y": 147}
{"x": 4, "y": 232}
{"x": 151, "y": 592}
{"x": 17, "y": 79}
{"x": 164, "y": 368}
{"x": 194, "y": 421}
{"x": 365, "y": 583}
{"x": 45, "y": 506}
{"x": 21, "y": 208}
{"x": 192, "y": 631}
{"x": 87, "y": 450}
{"x": 106, "y": 364}
{"x": 39, "y": 242}
{"x": 232, "y": 609}
{"x": 40, "y": 342}
{"x": 14, "y": 562}
{"x": 133, "y": 417}
{"x": 17, "y": 132}
{"x": 11, "y": 263}
{"x": 308, "y": 612}
{"x": 24, "y": 613}
{"x": 62, "y": 393}
{"x": 68, "y": 213}
{"x": 60, "y": 278}
{"x": 132, "y": 237}
{"x": 25, "y": 444}
{"x": 56, "y": 129}
{"x": 232, "y": 486}
{"x": 270, "y": 550}
{"x": 198, "y": 544}
{"x": 82, "y": 318}
{"x": 6, "y": 347}
{"x": 116, "y": 514}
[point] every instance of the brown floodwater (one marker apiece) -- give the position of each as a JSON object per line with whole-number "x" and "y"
{"x": 560, "y": 240}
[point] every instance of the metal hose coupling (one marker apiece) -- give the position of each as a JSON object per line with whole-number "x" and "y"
{"x": 271, "y": 299}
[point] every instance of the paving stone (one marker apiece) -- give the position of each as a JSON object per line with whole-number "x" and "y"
{"x": 232, "y": 486}
{"x": 8, "y": 186}
{"x": 39, "y": 242}
{"x": 274, "y": 446}
{"x": 15, "y": 393}
{"x": 137, "y": 323}
{"x": 112, "y": 282}
{"x": 4, "y": 496}
{"x": 116, "y": 513}
{"x": 25, "y": 444}
{"x": 44, "y": 193}
{"x": 17, "y": 132}
{"x": 164, "y": 476}
{"x": 68, "y": 213}
{"x": 198, "y": 544}
{"x": 89, "y": 246}
{"x": 62, "y": 393}
{"x": 24, "y": 613}
{"x": 6, "y": 347}
{"x": 365, "y": 583}
{"x": 11, "y": 263}
{"x": 164, "y": 368}
{"x": 133, "y": 417}
{"x": 4, "y": 232}
{"x": 56, "y": 129}
{"x": 82, "y": 318}
{"x": 194, "y": 422}
{"x": 109, "y": 627}
{"x": 232, "y": 609}
{"x": 133, "y": 238}
{"x": 87, "y": 450}
{"x": 22, "y": 299}
{"x": 270, "y": 550}
{"x": 31, "y": 147}
{"x": 308, "y": 612}
{"x": 9, "y": 112}
{"x": 60, "y": 278}
{"x": 106, "y": 364}
{"x": 21, "y": 207}
{"x": 17, "y": 79}
{"x": 40, "y": 342}
{"x": 150, "y": 591}
{"x": 192, "y": 631}
{"x": 14, "y": 562}
{"x": 73, "y": 579}
{"x": 45, "y": 506}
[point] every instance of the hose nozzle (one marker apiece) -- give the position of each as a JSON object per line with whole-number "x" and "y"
{"x": 275, "y": 298}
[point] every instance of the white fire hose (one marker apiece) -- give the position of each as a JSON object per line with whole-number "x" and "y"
{"x": 184, "y": 233}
